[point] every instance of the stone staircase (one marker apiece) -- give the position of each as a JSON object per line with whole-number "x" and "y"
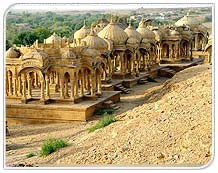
{"x": 109, "y": 104}
{"x": 167, "y": 72}
{"x": 142, "y": 81}
{"x": 120, "y": 87}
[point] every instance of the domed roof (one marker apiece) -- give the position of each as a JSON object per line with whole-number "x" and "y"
{"x": 114, "y": 33}
{"x": 90, "y": 52}
{"x": 12, "y": 53}
{"x": 186, "y": 32}
{"x": 132, "y": 33}
{"x": 188, "y": 20}
{"x": 68, "y": 54}
{"x": 95, "y": 42}
{"x": 54, "y": 38}
{"x": 202, "y": 28}
{"x": 132, "y": 40}
{"x": 174, "y": 33}
{"x": 158, "y": 35}
{"x": 35, "y": 55}
{"x": 82, "y": 32}
{"x": 144, "y": 31}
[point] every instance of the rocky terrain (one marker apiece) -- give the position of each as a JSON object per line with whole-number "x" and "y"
{"x": 170, "y": 125}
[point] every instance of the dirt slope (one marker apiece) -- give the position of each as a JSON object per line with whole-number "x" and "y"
{"x": 173, "y": 126}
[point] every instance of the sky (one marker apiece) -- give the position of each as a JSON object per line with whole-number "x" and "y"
{"x": 59, "y": 7}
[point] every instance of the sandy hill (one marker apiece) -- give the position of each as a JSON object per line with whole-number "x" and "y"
{"x": 173, "y": 126}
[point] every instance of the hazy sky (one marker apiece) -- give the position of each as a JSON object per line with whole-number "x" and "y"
{"x": 58, "y": 7}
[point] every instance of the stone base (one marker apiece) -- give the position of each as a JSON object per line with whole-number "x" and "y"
{"x": 56, "y": 112}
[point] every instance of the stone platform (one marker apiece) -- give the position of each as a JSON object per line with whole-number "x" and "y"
{"x": 56, "y": 112}
{"x": 130, "y": 82}
{"x": 182, "y": 65}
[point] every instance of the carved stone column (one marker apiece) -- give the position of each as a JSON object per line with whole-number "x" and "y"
{"x": 76, "y": 86}
{"x": 47, "y": 90}
{"x": 19, "y": 86}
{"x": 196, "y": 41}
{"x": 42, "y": 91}
{"x": 9, "y": 84}
{"x": 72, "y": 85}
{"x": 92, "y": 84}
{"x": 99, "y": 91}
{"x": 132, "y": 71}
{"x": 15, "y": 86}
{"x": 88, "y": 82}
{"x": 110, "y": 68}
{"x": 29, "y": 86}
{"x": 61, "y": 88}
{"x": 137, "y": 65}
{"x": 24, "y": 98}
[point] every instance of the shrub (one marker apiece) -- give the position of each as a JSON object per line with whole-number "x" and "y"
{"x": 51, "y": 145}
{"x": 104, "y": 121}
{"x": 31, "y": 154}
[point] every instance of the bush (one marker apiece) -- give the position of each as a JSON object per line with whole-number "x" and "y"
{"x": 51, "y": 145}
{"x": 104, "y": 121}
{"x": 31, "y": 154}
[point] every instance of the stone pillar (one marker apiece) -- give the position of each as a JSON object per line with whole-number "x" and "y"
{"x": 72, "y": 85}
{"x": 132, "y": 71}
{"x": 82, "y": 82}
{"x": 88, "y": 82}
{"x": 122, "y": 67}
{"x": 57, "y": 78}
{"x": 9, "y": 84}
{"x": 76, "y": 86}
{"x": 19, "y": 85}
{"x": 29, "y": 86}
{"x": 61, "y": 88}
{"x": 42, "y": 90}
{"x": 47, "y": 90}
{"x": 24, "y": 98}
{"x": 196, "y": 41}
{"x": 99, "y": 91}
{"x": 110, "y": 68}
{"x": 15, "y": 86}
{"x": 92, "y": 84}
{"x": 137, "y": 65}
{"x": 36, "y": 80}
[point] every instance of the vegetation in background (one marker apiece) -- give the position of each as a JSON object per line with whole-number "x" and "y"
{"x": 23, "y": 28}
{"x": 51, "y": 145}
{"x": 104, "y": 121}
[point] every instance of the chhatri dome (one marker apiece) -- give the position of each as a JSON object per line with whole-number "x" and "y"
{"x": 82, "y": 32}
{"x": 188, "y": 20}
{"x": 144, "y": 31}
{"x": 114, "y": 33}
{"x": 131, "y": 32}
{"x": 12, "y": 53}
{"x": 95, "y": 42}
{"x": 54, "y": 38}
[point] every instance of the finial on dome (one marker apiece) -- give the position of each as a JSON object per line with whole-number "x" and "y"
{"x": 92, "y": 32}
{"x": 187, "y": 14}
{"x": 84, "y": 23}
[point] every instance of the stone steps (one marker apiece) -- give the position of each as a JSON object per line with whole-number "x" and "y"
{"x": 120, "y": 87}
{"x": 142, "y": 81}
{"x": 109, "y": 104}
{"x": 168, "y": 72}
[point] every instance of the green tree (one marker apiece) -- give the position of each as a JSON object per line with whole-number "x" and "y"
{"x": 25, "y": 38}
{"x": 41, "y": 33}
{"x": 8, "y": 44}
